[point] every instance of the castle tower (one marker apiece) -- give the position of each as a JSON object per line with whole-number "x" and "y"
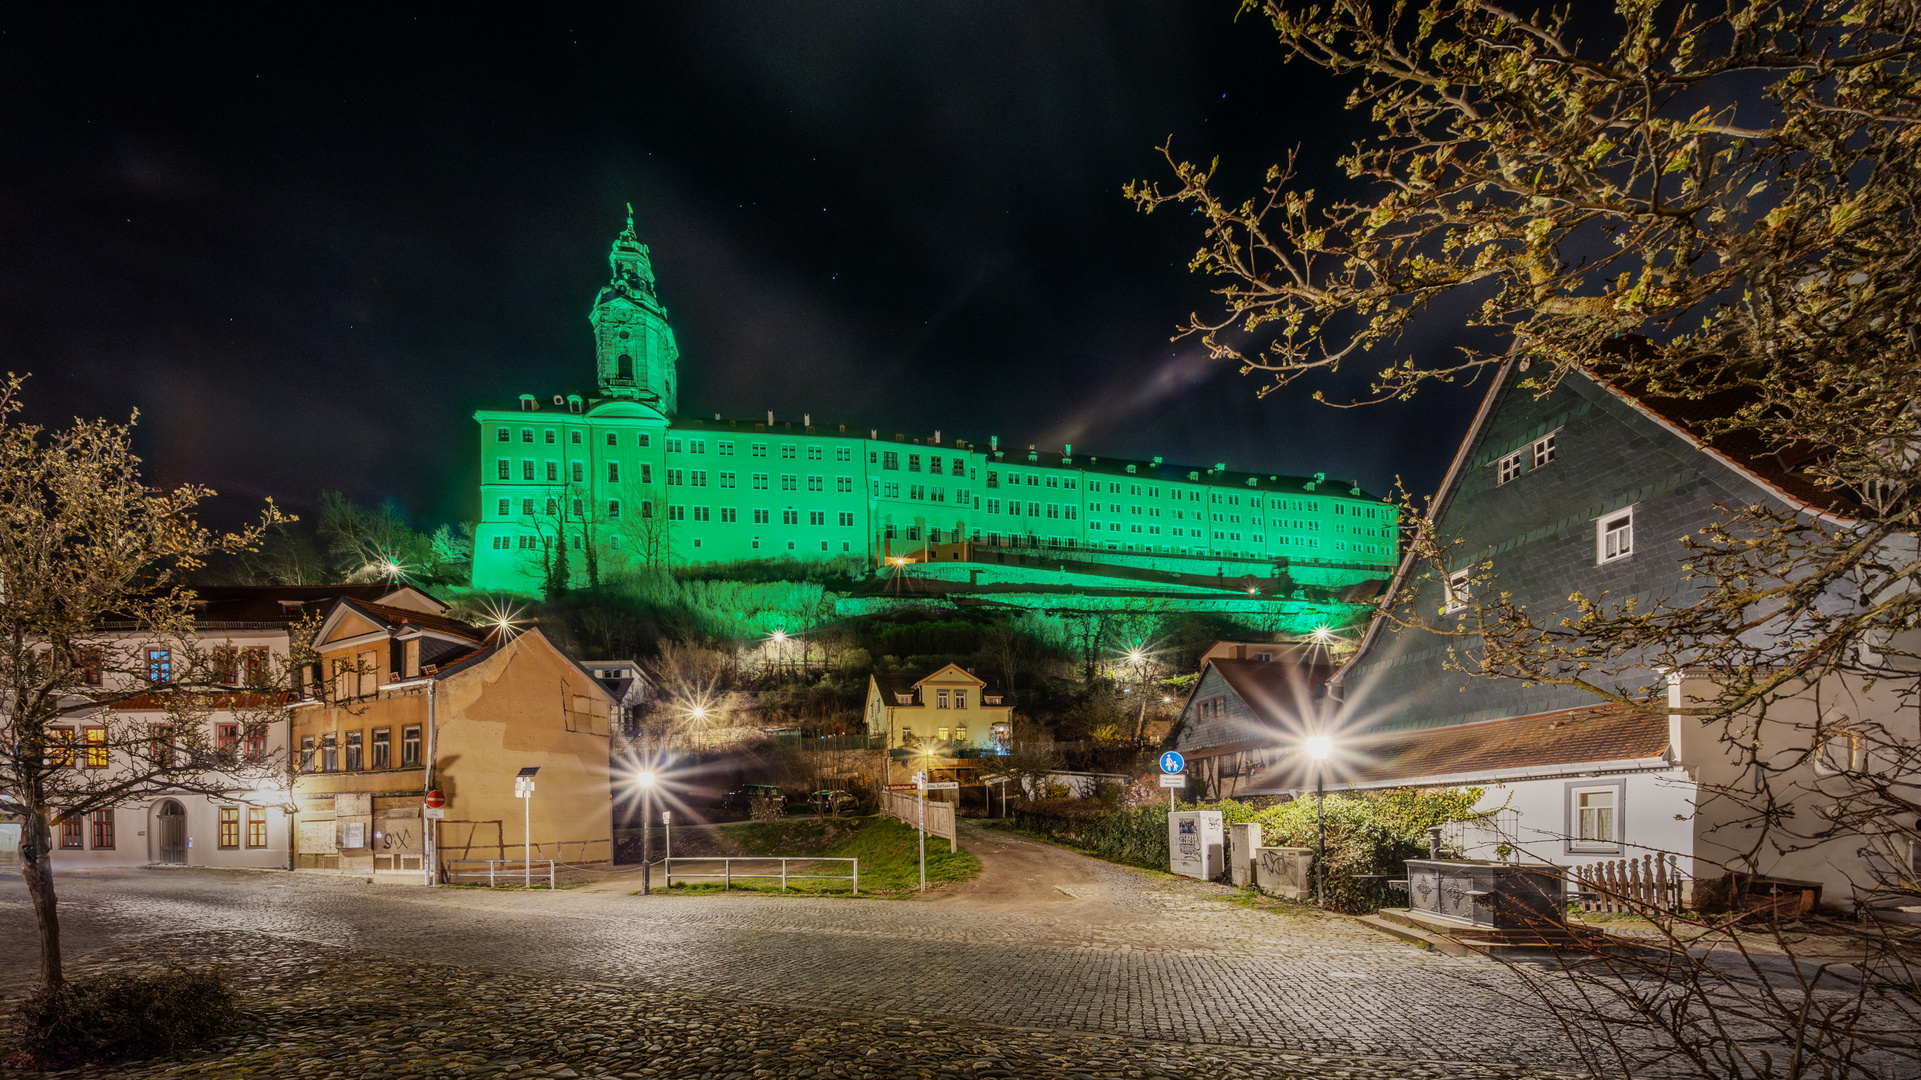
{"x": 634, "y": 352}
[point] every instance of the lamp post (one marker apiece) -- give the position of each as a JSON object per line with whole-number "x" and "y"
{"x": 1318, "y": 747}
{"x": 524, "y": 789}
{"x": 1139, "y": 660}
{"x": 667, "y": 825}
{"x": 780, "y": 648}
{"x": 646, "y": 782}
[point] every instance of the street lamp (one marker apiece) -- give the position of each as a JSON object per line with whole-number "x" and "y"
{"x": 780, "y": 648}
{"x": 1318, "y": 747}
{"x": 524, "y": 789}
{"x": 645, "y": 780}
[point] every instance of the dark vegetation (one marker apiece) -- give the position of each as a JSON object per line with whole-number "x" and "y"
{"x": 119, "y": 1016}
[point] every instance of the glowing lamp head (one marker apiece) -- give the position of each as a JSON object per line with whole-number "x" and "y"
{"x": 780, "y": 636}
{"x": 644, "y": 779}
{"x": 1136, "y": 656}
{"x": 1323, "y": 635}
{"x": 699, "y": 712}
{"x": 1319, "y": 746}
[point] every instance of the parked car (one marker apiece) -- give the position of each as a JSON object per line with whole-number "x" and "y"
{"x": 741, "y": 799}
{"x": 831, "y": 802}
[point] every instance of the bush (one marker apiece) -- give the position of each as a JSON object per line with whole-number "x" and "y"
{"x": 768, "y": 807}
{"x": 124, "y": 1015}
{"x": 1367, "y": 833}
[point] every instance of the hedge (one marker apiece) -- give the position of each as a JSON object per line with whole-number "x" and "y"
{"x": 1368, "y": 833}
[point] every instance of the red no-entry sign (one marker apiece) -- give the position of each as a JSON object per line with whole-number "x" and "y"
{"x": 436, "y": 799}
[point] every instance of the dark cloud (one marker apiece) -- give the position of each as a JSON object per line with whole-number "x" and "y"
{"x": 307, "y": 245}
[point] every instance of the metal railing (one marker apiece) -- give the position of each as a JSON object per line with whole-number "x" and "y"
{"x": 727, "y": 872}
{"x": 501, "y": 871}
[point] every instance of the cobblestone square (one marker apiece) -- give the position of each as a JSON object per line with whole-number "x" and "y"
{"x": 1049, "y": 964}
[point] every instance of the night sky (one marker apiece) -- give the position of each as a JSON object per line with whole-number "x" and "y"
{"x": 306, "y": 251}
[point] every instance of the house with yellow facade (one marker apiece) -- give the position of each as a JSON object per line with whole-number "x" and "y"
{"x": 945, "y": 723}
{"x": 399, "y": 703}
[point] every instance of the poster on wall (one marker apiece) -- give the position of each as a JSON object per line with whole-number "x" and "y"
{"x": 353, "y": 834}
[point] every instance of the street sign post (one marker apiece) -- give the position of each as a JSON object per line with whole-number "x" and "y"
{"x": 920, "y": 779}
{"x": 1171, "y": 765}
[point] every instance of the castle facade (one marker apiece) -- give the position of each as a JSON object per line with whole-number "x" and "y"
{"x": 575, "y": 487}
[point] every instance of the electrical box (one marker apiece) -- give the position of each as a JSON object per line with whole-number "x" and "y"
{"x": 1246, "y": 837}
{"x": 1196, "y": 844}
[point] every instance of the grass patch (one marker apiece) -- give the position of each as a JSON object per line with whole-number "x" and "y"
{"x": 1255, "y": 900}
{"x": 887, "y": 849}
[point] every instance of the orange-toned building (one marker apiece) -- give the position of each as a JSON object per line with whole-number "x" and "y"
{"x": 401, "y": 703}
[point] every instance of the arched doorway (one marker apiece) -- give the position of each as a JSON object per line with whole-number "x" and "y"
{"x": 171, "y": 827}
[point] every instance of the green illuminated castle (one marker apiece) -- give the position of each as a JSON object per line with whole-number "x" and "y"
{"x": 575, "y": 487}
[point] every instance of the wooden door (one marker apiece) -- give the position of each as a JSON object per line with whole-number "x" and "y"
{"x": 173, "y": 834}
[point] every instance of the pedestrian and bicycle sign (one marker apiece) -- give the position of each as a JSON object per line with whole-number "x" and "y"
{"x": 1172, "y": 762}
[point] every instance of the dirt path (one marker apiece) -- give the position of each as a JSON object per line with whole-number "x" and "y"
{"x": 1022, "y": 875}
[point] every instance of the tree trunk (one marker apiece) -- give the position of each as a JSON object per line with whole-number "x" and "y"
{"x": 36, "y": 865}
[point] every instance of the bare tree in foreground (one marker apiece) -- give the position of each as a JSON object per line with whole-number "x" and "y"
{"x": 1734, "y": 189}
{"x": 84, "y": 545}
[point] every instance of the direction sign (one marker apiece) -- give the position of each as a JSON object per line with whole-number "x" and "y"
{"x": 1172, "y": 762}
{"x": 1173, "y": 780}
{"x": 905, "y": 789}
{"x": 945, "y": 785}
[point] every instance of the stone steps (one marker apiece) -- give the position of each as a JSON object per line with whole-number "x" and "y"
{"x": 1457, "y": 939}
{"x": 1414, "y": 935}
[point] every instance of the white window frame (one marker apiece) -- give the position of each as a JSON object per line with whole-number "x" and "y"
{"x": 1578, "y": 846}
{"x": 1507, "y": 469}
{"x": 1542, "y": 453}
{"x": 1621, "y": 523}
{"x": 1457, "y": 590}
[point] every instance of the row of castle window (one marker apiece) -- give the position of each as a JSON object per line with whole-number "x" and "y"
{"x": 1066, "y": 483}
{"x": 891, "y": 489}
{"x": 641, "y": 438}
{"x": 890, "y": 459}
{"x": 730, "y": 515}
{"x": 1034, "y": 509}
{"x": 725, "y": 448}
{"x": 577, "y": 471}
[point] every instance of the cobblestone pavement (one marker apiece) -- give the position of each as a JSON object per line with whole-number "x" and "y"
{"x": 1130, "y": 971}
{"x": 327, "y": 1013}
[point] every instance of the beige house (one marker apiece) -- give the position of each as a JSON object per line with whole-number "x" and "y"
{"x": 401, "y": 703}
{"x": 945, "y": 722}
{"x": 247, "y": 629}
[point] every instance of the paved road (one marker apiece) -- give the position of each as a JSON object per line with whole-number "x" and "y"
{"x": 1043, "y": 938}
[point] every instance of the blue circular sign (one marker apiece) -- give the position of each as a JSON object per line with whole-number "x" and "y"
{"x": 1172, "y": 762}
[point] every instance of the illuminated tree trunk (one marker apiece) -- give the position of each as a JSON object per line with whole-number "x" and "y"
{"x": 36, "y": 865}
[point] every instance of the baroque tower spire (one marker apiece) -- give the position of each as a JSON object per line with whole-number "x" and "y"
{"x": 635, "y": 353}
